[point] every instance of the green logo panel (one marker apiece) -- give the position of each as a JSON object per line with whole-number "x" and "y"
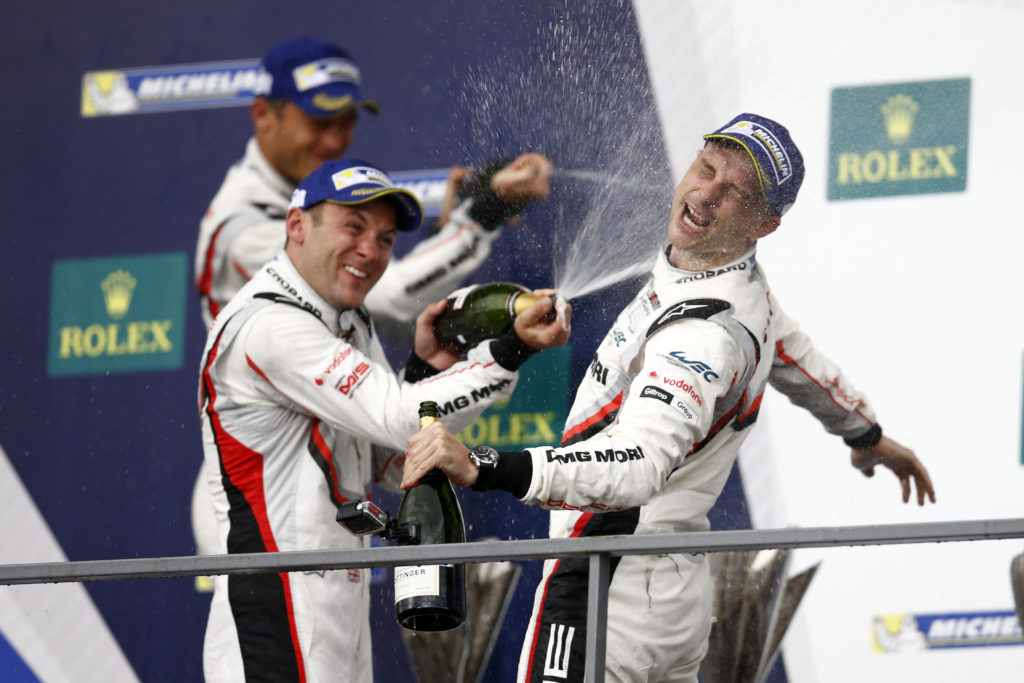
{"x": 535, "y": 413}
{"x": 117, "y": 314}
{"x": 903, "y": 138}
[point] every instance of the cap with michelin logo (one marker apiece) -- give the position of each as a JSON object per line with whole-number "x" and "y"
{"x": 354, "y": 181}
{"x": 318, "y": 76}
{"x": 779, "y": 164}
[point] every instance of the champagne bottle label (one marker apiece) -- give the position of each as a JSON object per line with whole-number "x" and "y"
{"x": 415, "y": 582}
{"x": 457, "y": 299}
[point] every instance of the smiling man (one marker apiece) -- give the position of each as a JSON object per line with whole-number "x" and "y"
{"x": 301, "y": 412}
{"x": 306, "y": 113}
{"x": 651, "y": 438}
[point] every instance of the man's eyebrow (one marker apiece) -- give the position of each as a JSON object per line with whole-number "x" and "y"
{"x": 743, "y": 192}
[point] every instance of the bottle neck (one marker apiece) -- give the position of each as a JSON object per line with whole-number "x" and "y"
{"x": 434, "y": 477}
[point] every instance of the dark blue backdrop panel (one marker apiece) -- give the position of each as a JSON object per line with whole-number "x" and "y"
{"x": 110, "y": 458}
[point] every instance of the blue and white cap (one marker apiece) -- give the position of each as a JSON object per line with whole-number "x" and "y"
{"x": 354, "y": 181}
{"x": 779, "y": 164}
{"x": 318, "y": 76}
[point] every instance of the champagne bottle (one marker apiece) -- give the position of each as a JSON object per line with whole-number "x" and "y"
{"x": 432, "y": 597}
{"x": 480, "y": 312}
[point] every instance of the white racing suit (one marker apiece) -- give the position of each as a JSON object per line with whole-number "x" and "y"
{"x": 648, "y": 445}
{"x": 244, "y": 227}
{"x": 301, "y": 412}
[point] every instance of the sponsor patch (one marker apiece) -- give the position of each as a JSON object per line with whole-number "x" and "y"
{"x": 598, "y": 372}
{"x": 611, "y": 455}
{"x": 360, "y": 174}
{"x": 345, "y": 353}
{"x": 701, "y": 309}
{"x": 708, "y": 274}
{"x": 685, "y": 387}
{"x": 657, "y": 394}
{"x": 324, "y": 71}
{"x": 679, "y": 359}
{"x": 670, "y": 399}
{"x": 354, "y": 379}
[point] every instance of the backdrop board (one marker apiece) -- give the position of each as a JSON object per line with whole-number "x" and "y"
{"x": 122, "y": 119}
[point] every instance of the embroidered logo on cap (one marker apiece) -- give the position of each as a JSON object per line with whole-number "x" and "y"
{"x": 324, "y": 71}
{"x": 769, "y": 143}
{"x": 358, "y": 175}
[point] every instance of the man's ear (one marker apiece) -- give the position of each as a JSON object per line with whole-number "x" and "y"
{"x": 261, "y": 113}
{"x": 766, "y": 226}
{"x": 296, "y": 225}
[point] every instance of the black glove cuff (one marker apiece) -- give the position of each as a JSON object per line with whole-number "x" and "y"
{"x": 416, "y": 369}
{"x": 487, "y": 208}
{"x": 868, "y": 439}
{"x": 510, "y": 351}
{"x": 513, "y": 474}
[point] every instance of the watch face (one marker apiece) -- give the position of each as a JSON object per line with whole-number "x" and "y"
{"x": 484, "y": 456}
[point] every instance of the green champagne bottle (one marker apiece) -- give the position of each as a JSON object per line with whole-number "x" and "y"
{"x": 480, "y": 312}
{"x": 431, "y": 597}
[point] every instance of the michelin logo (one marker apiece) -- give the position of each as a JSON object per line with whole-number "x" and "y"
{"x": 764, "y": 138}
{"x": 174, "y": 87}
{"x": 916, "y": 632}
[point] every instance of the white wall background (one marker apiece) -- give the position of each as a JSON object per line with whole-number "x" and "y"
{"x": 918, "y": 297}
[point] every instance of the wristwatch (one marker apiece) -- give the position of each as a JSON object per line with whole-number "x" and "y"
{"x": 486, "y": 460}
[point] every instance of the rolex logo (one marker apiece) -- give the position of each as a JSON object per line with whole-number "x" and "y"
{"x": 899, "y": 112}
{"x": 117, "y": 293}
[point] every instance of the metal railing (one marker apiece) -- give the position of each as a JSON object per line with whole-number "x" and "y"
{"x": 598, "y": 549}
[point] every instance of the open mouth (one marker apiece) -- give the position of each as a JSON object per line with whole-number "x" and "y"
{"x": 361, "y": 274}
{"x": 692, "y": 221}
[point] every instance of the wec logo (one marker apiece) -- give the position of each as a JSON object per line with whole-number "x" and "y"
{"x": 702, "y": 369}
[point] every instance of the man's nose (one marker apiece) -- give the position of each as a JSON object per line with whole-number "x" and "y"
{"x": 367, "y": 246}
{"x": 709, "y": 193}
{"x": 336, "y": 139}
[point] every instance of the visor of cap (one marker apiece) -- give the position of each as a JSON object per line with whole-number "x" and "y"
{"x": 409, "y": 214}
{"x": 332, "y": 99}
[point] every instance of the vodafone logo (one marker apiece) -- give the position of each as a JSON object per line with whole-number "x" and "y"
{"x": 686, "y": 388}
{"x": 335, "y": 363}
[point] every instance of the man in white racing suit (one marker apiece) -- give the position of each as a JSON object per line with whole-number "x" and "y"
{"x": 307, "y": 116}
{"x": 301, "y": 412}
{"x": 657, "y": 422}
